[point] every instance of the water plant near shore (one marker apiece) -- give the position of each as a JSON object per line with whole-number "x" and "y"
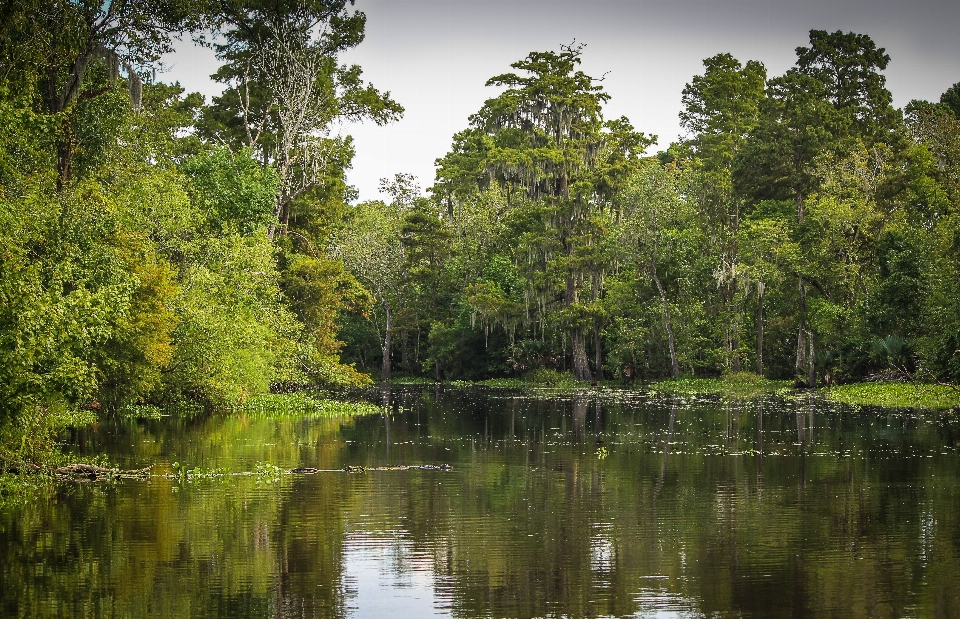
{"x": 741, "y": 385}
{"x": 899, "y": 395}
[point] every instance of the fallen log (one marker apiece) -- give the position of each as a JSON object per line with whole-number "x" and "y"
{"x": 93, "y": 472}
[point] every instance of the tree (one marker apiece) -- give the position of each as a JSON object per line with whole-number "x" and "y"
{"x": 371, "y": 247}
{"x": 721, "y": 108}
{"x": 657, "y": 227}
{"x": 545, "y": 135}
{"x": 53, "y": 46}
{"x": 833, "y": 101}
{"x": 769, "y": 252}
{"x": 285, "y": 90}
{"x": 848, "y": 65}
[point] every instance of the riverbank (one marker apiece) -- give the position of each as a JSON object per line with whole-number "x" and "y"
{"x": 739, "y": 386}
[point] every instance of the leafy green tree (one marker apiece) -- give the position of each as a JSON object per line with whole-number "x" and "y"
{"x": 951, "y": 99}
{"x": 50, "y": 47}
{"x": 232, "y": 191}
{"x": 372, "y": 248}
{"x": 721, "y": 108}
{"x": 849, "y": 65}
{"x": 833, "y": 101}
{"x": 544, "y": 136}
{"x": 658, "y": 228}
{"x": 770, "y": 256}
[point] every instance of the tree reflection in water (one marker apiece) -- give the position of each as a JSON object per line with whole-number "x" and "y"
{"x": 841, "y": 513}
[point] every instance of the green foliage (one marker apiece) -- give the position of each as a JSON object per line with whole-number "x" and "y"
{"x": 158, "y": 250}
{"x": 550, "y": 378}
{"x": 232, "y": 329}
{"x": 231, "y": 190}
{"x": 31, "y": 440}
{"x": 84, "y": 306}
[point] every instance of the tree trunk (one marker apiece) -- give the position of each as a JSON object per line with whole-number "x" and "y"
{"x": 578, "y": 340}
{"x": 760, "y": 291}
{"x": 811, "y": 367}
{"x": 65, "y": 151}
{"x": 385, "y": 368}
{"x": 666, "y": 321}
{"x": 598, "y": 354}
{"x": 800, "y": 366}
{"x": 581, "y": 366}
{"x": 735, "y": 338}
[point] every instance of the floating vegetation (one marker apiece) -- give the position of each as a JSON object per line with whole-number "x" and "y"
{"x": 182, "y": 473}
{"x": 504, "y": 383}
{"x": 181, "y": 409}
{"x": 268, "y": 473}
{"x": 412, "y": 380}
{"x": 302, "y": 406}
{"x": 902, "y": 395}
{"x": 264, "y": 472}
{"x": 141, "y": 411}
{"x": 93, "y": 472}
{"x": 739, "y": 386}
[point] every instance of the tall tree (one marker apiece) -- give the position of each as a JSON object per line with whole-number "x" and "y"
{"x": 546, "y": 134}
{"x": 833, "y": 101}
{"x": 657, "y": 228}
{"x": 286, "y": 90}
{"x": 848, "y": 65}
{"x": 372, "y": 248}
{"x": 721, "y": 108}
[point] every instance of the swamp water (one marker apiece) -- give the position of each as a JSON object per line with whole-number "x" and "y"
{"x": 595, "y": 504}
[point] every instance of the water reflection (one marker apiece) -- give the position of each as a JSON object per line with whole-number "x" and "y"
{"x": 840, "y": 513}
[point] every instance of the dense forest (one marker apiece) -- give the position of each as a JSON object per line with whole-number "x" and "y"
{"x": 157, "y": 247}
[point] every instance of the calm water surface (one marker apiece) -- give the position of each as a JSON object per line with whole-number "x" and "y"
{"x": 596, "y": 504}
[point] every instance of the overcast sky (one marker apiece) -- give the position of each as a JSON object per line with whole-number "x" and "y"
{"x": 434, "y": 57}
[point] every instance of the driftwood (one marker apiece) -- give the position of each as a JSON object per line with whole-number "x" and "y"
{"x": 363, "y": 469}
{"x": 91, "y": 472}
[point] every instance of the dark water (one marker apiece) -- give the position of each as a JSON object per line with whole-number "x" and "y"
{"x": 587, "y": 505}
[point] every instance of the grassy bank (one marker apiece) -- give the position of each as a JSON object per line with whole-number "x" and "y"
{"x": 534, "y": 378}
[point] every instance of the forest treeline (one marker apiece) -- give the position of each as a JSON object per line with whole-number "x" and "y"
{"x": 803, "y": 229}
{"x": 158, "y": 247}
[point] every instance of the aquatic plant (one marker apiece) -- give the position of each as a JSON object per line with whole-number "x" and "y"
{"x": 901, "y": 395}
{"x": 301, "y": 405}
{"x": 740, "y": 385}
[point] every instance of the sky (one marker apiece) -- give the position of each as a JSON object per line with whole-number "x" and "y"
{"x": 434, "y": 57}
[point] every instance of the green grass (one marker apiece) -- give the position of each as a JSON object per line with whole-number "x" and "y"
{"x": 905, "y": 395}
{"x": 301, "y": 406}
{"x": 740, "y": 386}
